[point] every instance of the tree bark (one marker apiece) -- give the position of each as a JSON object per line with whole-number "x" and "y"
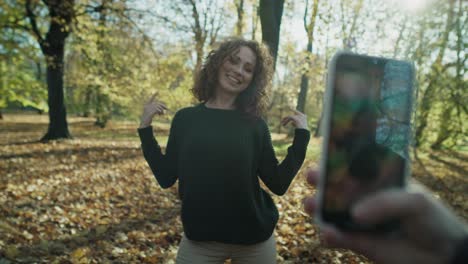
{"x": 87, "y": 102}
{"x": 53, "y": 48}
{"x": 400, "y": 36}
{"x": 240, "y": 17}
{"x": 349, "y": 41}
{"x": 199, "y": 36}
{"x": 447, "y": 128}
{"x": 301, "y": 98}
{"x": 103, "y": 104}
{"x": 444, "y": 131}
{"x": 309, "y": 27}
{"x": 254, "y": 19}
{"x": 58, "y": 126}
{"x": 271, "y": 12}
{"x": 433, "y": 76}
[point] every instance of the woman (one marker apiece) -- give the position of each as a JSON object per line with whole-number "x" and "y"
{"x": 218, "y": 149}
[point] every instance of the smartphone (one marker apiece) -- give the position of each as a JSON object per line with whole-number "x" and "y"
{"x": 366, "y": 135}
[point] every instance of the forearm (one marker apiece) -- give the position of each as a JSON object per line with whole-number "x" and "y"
{"x": 145, "y": 122}
{"x": 159, "y": 163}
{"x": 278, "y": 177}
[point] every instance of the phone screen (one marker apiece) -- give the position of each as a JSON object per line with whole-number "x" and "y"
{"x": 368, "y": 133}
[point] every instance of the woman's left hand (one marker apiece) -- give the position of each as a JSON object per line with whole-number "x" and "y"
{"x": 298, "y": 119}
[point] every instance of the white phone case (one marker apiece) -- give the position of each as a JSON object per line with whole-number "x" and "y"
{"x": 325, "y": 128}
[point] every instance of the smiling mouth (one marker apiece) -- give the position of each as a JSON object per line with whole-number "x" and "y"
{"x": 233, "y": 79}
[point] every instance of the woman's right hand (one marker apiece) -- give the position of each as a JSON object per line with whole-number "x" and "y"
{"x": 151, "y": 108}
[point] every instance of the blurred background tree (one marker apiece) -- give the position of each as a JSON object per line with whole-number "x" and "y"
{"x": 116, "y": 53}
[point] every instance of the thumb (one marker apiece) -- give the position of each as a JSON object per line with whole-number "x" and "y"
{"x": 386, "y": 205}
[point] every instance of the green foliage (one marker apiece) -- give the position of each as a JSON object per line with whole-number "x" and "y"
{"x": 112, "y": 70}
{"x": 20, "y": 85}
{"x": 21, "y": 76}
{"x": 113, "y": 66}
{"x": 21, "y": 92}
{"x": 440, "y": 60}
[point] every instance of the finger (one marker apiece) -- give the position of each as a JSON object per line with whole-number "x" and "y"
{"x": 286, "y": 120}
{"x": 152, "y": 97}
{"x": 294, "y": 119}
{"x": 164, "y": 106}
{"x": 312, "y": 177}
{"x": 160, "y": 104}
{"x": 297, "y": 112}
{"x": 334, "y": 238}
{"x": 155, "y": 105}
{"x": 391, "y": 204}
{"x": 160, "y": 110}
{"x": 310, "y": 204}
{"x": 378, "y": 249}
{"x": 389, "y": 251}
{"x": 289, "y": 121}
{"x": 153, "y": 109}
{"x": 331, "y": 236}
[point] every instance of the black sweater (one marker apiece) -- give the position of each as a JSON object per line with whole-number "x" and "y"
{"x": 217, "y": 155}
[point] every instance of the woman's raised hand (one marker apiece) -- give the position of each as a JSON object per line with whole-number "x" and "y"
{"x": 298, "y": 119}
{"x": 151, "y": 108}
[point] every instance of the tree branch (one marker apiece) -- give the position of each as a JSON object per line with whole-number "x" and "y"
{"x": 174, "y": 25}
{"x": 139, "y": 30}
{"x": 215, "y": 30}
{"x": 32, "y": 19}
{"x": 15, "y": 26}
{"x": 305, "y": 16}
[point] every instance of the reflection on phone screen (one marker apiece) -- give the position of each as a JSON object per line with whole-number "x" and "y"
{"x": 369, "y": 131}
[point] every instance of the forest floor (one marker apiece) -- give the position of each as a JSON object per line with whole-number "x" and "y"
{"x": 93, "y": 199}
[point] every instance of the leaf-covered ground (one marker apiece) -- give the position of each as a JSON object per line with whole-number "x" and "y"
{"x": 94, "y": 200}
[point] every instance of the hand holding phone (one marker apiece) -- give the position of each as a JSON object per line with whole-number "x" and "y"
{"x": 366, "y": 124}
{"x": 423, "y": 220}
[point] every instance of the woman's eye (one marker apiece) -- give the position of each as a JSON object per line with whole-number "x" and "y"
{"x": 232, "y": 59}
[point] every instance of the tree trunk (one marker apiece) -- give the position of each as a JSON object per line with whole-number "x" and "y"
{"x": 271, "y": 12}
{"x": 446, "y": 128}
{"x": 400, "y": 36}
{"x": 199, "y": 44}
{"x": 87, "y": 102}
{"x": 281, "y": 112}
{"x": 349, "y": 41}
{"x": 301, "y": 99}
{"x": 254, "y": 19}
{"x": 240, "y": 17}
{"x": 199, "y": 35}
{"x": 103, "y": 110}
{"x": 435, "y": 72}
{"x": 444, "y": 131}
{"x": 58, "y": 127}
{"x": 53, "y": 48}
{"x": 309, "y": 27}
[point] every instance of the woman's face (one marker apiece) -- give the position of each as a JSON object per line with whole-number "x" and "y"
{"x": 237, "y": 71}
{"x": 352, "y": 86}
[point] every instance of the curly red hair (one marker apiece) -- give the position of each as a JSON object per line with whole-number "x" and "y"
{"x": 251, "y": 101}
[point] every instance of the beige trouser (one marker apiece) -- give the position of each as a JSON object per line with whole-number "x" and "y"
{"x": 195, "y": 252}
